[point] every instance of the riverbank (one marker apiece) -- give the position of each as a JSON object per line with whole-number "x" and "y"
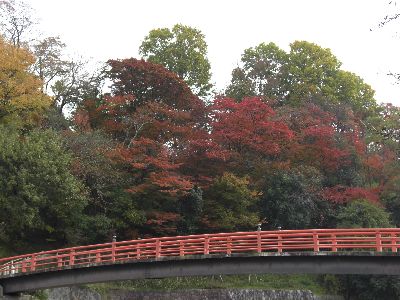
{"x": 194, "y": 294}
{"x": 228, "y": 287}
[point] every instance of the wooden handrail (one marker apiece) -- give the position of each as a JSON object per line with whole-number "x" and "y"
{"x": 281, "y": 241}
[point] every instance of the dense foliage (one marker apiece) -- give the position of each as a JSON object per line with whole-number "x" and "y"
{"x": 41, "y": 201}
{"x": 295, "y": 142}
{"x": 182, "y": 50}
{"x": 21, "y": 97}
{"x": 151, "y": 158}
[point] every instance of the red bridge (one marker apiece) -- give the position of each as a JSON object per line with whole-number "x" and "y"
{"x": 335, "y": 251}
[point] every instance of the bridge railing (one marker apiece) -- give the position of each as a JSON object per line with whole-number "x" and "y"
{"x": 314, "y": 240}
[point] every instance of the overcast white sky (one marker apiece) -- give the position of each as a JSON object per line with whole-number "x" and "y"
{"x": 114, "y": 29}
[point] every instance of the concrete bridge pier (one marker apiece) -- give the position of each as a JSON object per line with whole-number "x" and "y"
{"x": 14, "y": 297}
{"x": 17, "y": 296}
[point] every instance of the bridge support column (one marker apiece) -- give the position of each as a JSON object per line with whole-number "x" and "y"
{"x": 12, "y": 297}
{"x": 17, "y": 296}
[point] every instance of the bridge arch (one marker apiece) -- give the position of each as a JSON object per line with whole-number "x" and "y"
{"x": 323, "y": 251}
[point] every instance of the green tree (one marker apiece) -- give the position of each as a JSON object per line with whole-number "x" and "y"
{"x": 383, "y": 128}
{"x": 229, "y": 204}
{"x": 111, "y": 208}
{"x": 241, "y": 85}
{"x": 391, "y": 197}
{"x": 351, "y": 90}
{"x": 290, "y": 200}
{"x": 262, "y": 73}
{"x": 307, "y": 73}
{"x": 183, "y": 51}
{"x": 314, "y": 75}
{"x": 191, "y": 209}
{"x": 41, "y": 201}
{"x": 311, "y": 71}
{"x": 363, "y": 214}
{"x": 367, "y": 287}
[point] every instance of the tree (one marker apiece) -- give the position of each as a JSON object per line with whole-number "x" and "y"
{"x": 183, "y": 51}
{"x": 383, "y": 129}
{"x": 262, "y": 73}
{"x": 21, "y": 98}
{"x": 314, "y": 75}
{"x": 151, "y": 115}
{"x": 74, "y": 85}
{"x": 319, "y": 141}
{"x": 66, "y": 79}
{"x": 191, "y": 208}
{"x": 363, "y": 214}
{"x": 230, "y": 205}
{"x": 42, "y": 202}
{"x": 346, "y": 194}
{"x": 15, "y": 21}
{"x": 152, "y": 168}
{"x": 111, "y": 208}
{"x": 147, "y": 81}
{"x": 49, "y": 63}
{"x": 352, "y": 91}
{"x": 148, "y": 168}
{"x": 148, "y": 102}
{"x": 369, "y": 287}
{"x": 246, "y": 134}
{"x": 241, "y": 85}
{"x": 311, "y": 71}
{"x": 307, "y": 74}
{"x": 290, "y": 199}
{"x": 391, "y": 197}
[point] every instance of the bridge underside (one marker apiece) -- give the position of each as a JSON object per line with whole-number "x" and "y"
{"x": 333, "y": 263}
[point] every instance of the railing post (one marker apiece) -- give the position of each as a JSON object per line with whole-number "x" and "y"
{"x": 23, "y": 266}
{"x": 334, "y": 242}
{"x": 259, "y": 241}
{"x": 59, "y": 261}
{"x": 137, "y": 251}
{"x": 158, "y": 248}
{"x": 12, "y": 267}
{"x": 280, "y": 243}
{"x": 206, "y": 245}
{"x": 33, "y": 263}
{"x": 378, "y": 238}
{"x": 228, "y": 245}
{"x": 98, "y": 258}
{"x": 113, "y": 251}
{"x": 72, "y": 257}
{"x": 393, "y": 242}
{"x": 315, "y": 241}
{"x": 181, "y": 248}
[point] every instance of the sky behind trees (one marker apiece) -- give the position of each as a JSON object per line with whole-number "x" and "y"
{"x": 107, "y": 29}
